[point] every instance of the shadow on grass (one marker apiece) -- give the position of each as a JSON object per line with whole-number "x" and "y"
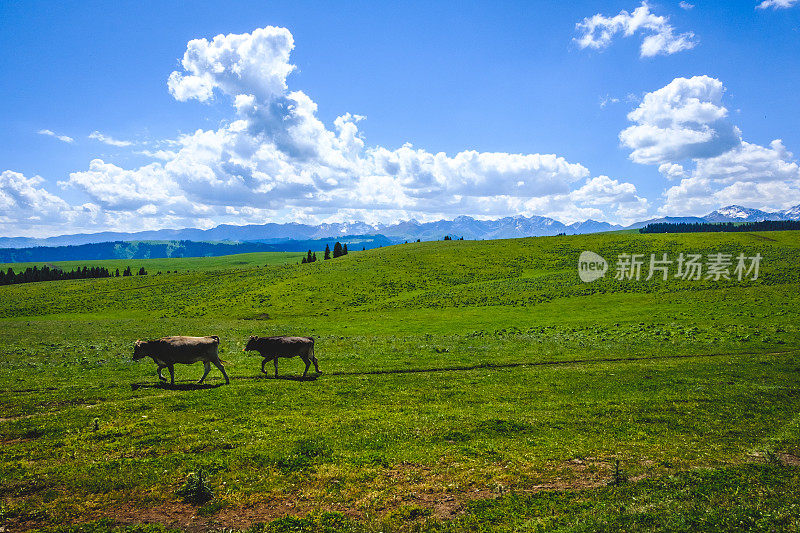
{"x": 310, "y": 377}
{"x": 177, "y": 386}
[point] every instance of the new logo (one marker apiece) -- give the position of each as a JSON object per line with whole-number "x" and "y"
{"x": 591, "y": 266}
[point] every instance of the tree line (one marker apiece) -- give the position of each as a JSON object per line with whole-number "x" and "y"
{"x": 338, "y": 251}
{"x": 703, "y": 227}
{"x": 46, "y": 273}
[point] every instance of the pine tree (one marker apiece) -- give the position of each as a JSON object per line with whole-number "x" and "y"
{"x": 142, "y": 271}
{"x": 313, "y": 257}
{"x": 327, "y": 252}
{"x": 116, "y": 274}
{"x": 344, "y": 249}
{"x": 309, "y": 257}
{"x": 303, "y": 261}
{"x": 337, "y": 250}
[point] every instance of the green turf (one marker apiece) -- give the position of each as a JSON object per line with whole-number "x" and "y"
{"x": 462, "y": 370}
{"x": 181, "y": 264}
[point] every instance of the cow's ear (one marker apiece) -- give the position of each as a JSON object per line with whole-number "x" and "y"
{"x": 252, "y": 337}
{"x": 137, "y": 343}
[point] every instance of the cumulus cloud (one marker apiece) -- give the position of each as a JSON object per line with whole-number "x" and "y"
{"x": 116, "y": 188}
{"x": 683, "y": 120}
{"x": 751, "y": 163}
{"x": 275, "y": 160}
{"x": 27, "y": 208}
{"x": 254, "y": 63}
{"x": 672, "y": 170}
{"x": 107, "y": 139}
{"x": 685, "y": 123}
{"x": 51, "y": 133}
{"x": 776, "y": 4}
{"x": 597, "y": 32}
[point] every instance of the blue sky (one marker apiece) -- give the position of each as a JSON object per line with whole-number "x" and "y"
{"x": 488, "y": 109}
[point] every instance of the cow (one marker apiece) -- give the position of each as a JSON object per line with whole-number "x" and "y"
{"x": 167, "y": 351}
{"x": 272, "y": 348}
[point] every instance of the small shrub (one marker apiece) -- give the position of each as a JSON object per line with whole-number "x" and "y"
{"x": 196, "y": 490}
{"x": 618, "y": 477}
{"x": 772, "y": 458}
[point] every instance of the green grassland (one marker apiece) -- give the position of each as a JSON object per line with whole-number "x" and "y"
{"x": 466, "y": 386}
{"x": 182, "y": 264}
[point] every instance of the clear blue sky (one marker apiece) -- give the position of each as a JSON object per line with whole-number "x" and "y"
{"x": 491, "y": 77}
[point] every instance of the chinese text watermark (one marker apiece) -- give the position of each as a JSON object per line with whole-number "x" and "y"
{"x": 685, "y": 266}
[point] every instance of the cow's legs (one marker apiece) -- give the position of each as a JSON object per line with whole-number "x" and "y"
{"x": 276, "y": 366}
{"x": 171, "y": 369}
{"x": 218, "y": 364}
{"x": 308, "y": 364}
{"x": 160, "y": 368}
{"x": 314, "y": 360}
{"x": 264, "y": 362}
{"x": 207, "y": 368}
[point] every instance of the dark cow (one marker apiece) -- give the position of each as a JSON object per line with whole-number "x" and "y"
{"x": 187, "y": 350}
{"x": 271, "y": 348}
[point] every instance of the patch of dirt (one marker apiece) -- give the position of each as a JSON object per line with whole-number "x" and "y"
{"x": 788, "y": 459}
{"x": 411, "y": 485}
{"x": 186, "y": 517}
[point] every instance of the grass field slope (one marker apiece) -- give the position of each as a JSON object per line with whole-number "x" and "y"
{"x": 466, "y": 386}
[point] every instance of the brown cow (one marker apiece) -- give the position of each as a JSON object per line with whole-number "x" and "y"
{"x": 167, "y": 351}
{"x": 271, "y": 348}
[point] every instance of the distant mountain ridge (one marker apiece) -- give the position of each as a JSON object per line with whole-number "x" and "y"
{"x": 408, "y": 230}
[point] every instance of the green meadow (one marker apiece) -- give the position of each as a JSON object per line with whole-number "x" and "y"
{"x": 181, "y": 264}
{"x": 465, "y": 386}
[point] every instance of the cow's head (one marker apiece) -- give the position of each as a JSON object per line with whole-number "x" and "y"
{"x": 138, "y": 350}
{"x": 251, "y": 344}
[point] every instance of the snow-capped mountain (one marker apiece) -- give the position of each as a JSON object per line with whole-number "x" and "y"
{"x": 407, "y": 230}
{"x": 592, "y": 226}
{"x": 793, "y": 213}
{"x": 737, "y": 213}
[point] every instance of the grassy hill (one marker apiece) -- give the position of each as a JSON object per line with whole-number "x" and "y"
{"x": 466, "y": 385}
{"x": 182, "y": 264}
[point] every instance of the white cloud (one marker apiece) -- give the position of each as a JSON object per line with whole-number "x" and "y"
{"x": 27, "y": 208}
{"x": 51, "y": 133}
{"x": 686, "y": 5}
{"x": 598, "y": 31}
{"x": 691, "y": 197}
{"x": 163, "y": 155}
{"x": 115, "y": 188}
{"x": 751, "y": 163}
{"x": 776, "y": 4}
{"x": 276, "y": 160}
{"x": 106, "y": 139}
{"x": 605, "y": 100}
{"x": 683, "y": 120}
{"x": 254, "y": 63}
{"x": 685, "y": 123}
{"x": 672, "y": 170}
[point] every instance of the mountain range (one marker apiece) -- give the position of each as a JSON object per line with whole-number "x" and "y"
{"x": 409, "y": 230}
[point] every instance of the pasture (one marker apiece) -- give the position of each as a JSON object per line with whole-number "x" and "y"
{"x": 466, "y": 386}
{"x": 180, "y": 264}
